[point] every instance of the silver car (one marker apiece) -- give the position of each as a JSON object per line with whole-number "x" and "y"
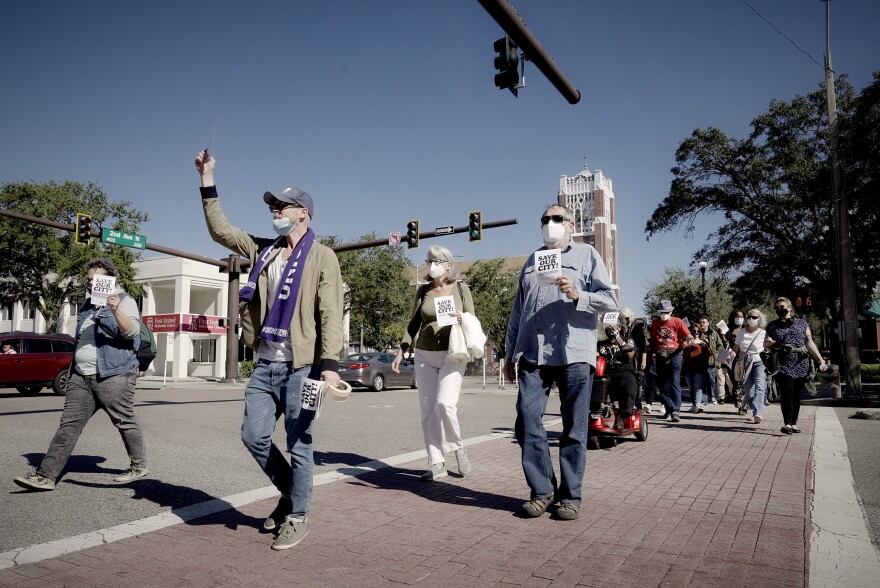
{"x": 373, "y": 370}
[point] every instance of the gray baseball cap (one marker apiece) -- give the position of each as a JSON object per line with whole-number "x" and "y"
{"x": 291, "y": 196}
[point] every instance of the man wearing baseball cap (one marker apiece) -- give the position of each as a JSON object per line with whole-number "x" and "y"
{"x": 669, "y": 336}
{"x": 291, "y": 316}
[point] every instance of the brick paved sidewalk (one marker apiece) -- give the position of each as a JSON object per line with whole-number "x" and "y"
{"x": 709, "y": 501}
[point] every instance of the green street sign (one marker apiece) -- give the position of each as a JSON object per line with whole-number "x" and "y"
{"x": 121, "y": 238}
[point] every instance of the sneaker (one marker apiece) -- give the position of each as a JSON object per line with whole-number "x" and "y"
{"x": 701, "y": 409}
{"x": 714, "y": 401}
{"x": 131, "y": 474}
{"x": 293, "y": 530}
{"x": 766, "y": 401}
{"x": 438, "y": 470}
{"x": 537, "y": 507}
{"x": 34, "y": 481}
{"x": 566, "y": 512}
{"x": 757, "y": 420}
{"x": 794, "y": 429}
{"x": 695, "y": 410}
{"x": 786, "y": 429}
{"x": 675, "y": 418}
{"x": 647, "y": 408}
{"x": 464, "y": 464}
{"x": 668, "y": 417}
{"x": 276, "y": 518}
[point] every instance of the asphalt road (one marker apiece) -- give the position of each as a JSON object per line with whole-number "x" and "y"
{"x": 194, "y": 451}
{"x": 863, "y": 447}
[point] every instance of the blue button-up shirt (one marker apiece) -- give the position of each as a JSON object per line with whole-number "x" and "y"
{"x": 546, "y": 327}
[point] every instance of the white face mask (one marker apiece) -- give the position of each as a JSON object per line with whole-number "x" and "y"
{"x": 664, "y": 316}
{"x": 753, "y": 322}
{"x": 282, "y": 226}
{"x": 436, "y": 270}
{"x": 738, "y": 320}
{"x": 553, "y": 233}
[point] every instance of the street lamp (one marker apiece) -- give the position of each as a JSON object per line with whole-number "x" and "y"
{"x": 703, "y": 265}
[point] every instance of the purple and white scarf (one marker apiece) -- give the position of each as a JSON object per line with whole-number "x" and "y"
{"x": 276, "y": 327}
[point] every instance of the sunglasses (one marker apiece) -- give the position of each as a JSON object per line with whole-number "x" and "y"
{"x": 757, "y": 318}
{"x": 556, "y": 218}
{"x": 429, "y": 261}
{"x": 279, "y": 207}
{"x": 781, "y": 308}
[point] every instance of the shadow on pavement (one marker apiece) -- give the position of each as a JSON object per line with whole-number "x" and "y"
{"x": 194, "y": 506}
{"x": 438, "y": 491}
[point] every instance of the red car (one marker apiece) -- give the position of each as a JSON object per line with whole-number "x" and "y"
{"x": 39, "y": 361}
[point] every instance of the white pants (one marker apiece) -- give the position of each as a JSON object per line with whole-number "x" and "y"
{"x": 439, "y": 386}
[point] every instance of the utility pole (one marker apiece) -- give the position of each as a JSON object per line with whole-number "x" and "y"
{"x": 850, "y": 331}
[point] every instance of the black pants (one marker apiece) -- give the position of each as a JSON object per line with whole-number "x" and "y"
{"x": 624, "y": 387}
{"x": 650, "y": 387}
{"x": 789, "y": 390}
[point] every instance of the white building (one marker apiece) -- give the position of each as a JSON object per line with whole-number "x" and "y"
{"x": 185, "y": 307}
{"x": 590, "y": 197}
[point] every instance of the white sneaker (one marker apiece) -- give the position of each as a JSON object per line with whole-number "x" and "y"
{"x": 647, "y": 408}
{"x": 714, "y": 402}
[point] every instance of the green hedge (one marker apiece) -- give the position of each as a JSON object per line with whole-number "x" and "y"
{"x": 246, "y": 368}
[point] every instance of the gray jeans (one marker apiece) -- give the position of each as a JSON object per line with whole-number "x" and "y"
{"x": 85, "y": 395}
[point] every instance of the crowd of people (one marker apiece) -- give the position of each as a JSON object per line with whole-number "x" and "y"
{"x": 734, "y": 362}
{"x": 291, "y": 315}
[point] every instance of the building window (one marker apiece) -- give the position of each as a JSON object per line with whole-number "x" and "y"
{"x": 6, "y": 312}
{"x": 204, "y": 350}
{"x": 28, "y": 311}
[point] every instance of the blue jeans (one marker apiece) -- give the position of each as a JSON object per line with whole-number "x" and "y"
{"x": 273, "y": 391}
{"x": 755, "y": 387}
{"x": 85, "y": 395}
{"x": 669, "y": 384}
{"x": 695, "y": 381}
{"x": 710, "y": 390}
{"x": 575, "y": 386}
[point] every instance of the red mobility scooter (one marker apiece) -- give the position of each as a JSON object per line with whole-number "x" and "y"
{"x": 604, "y": 413}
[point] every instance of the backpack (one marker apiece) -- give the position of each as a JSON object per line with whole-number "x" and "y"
{"x": 146, "y": 353}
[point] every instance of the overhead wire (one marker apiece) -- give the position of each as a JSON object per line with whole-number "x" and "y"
{"x": 783, "y": 34}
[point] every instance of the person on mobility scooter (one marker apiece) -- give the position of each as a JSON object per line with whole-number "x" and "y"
{"x": 619, "y": 360}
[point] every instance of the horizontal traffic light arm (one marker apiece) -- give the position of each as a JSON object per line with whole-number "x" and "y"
{"x": 424, "y": 235}
{"x": 512, "y": 24}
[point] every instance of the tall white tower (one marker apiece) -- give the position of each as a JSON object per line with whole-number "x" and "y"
{"x": 590, "y": 197}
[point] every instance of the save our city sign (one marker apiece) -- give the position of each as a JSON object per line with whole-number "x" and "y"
{"x": 185, "y": 323}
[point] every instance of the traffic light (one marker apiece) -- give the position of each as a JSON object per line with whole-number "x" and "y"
{"x": 475, "y": 226}
{"x": 412, "y": 234}
{"x": 507, "y": 64}
{"x": 83, "y": 228}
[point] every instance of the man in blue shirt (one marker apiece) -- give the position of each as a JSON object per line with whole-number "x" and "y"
{"x": 551, "y": 338}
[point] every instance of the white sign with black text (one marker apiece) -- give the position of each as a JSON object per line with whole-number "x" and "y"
{"x": 102, "y": 287}
{"x": 549, "y": 265}
{"x": 444, "y": 305}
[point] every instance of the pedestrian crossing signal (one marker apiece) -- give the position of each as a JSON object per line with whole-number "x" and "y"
{"x": 83, "y": 228}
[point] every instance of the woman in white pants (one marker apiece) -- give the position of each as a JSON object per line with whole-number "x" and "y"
{"x": 439, "y": 381}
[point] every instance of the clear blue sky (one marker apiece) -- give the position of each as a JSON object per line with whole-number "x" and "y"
{"x": 386, "y": 110}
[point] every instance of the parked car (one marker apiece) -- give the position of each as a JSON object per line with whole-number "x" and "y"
{"x": 39, "y": 361}
{"x": 373, "y": 370}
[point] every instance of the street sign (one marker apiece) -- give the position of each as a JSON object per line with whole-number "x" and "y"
{"x": 125, "y": 239}
{"x": 443, "y": 230}
{"x": 394, "y": 238}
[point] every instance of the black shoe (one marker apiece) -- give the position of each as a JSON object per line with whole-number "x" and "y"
{"x": 282, "y": 509}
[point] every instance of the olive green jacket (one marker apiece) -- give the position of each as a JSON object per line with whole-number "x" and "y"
{"x": 316, "y": 326}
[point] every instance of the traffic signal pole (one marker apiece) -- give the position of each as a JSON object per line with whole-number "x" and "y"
{"x": 513, "y": 25}
{"x": 234, "y": 265}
